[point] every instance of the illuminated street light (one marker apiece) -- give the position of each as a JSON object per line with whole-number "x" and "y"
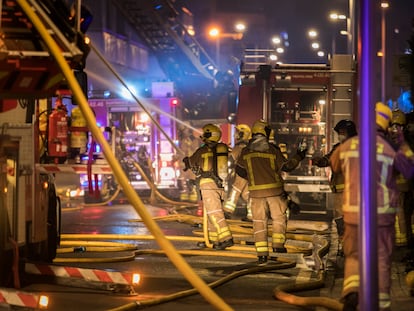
{"x": 216, "y": 34}
{"x": 384, "y": 6}
{"x": 315, "y": 45}
{"x": 276, "y": 40}
{"x": 312, "y": 33}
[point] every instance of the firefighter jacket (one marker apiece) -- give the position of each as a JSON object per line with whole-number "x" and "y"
{"x": 389, "y": 162}
{"x": 262, "y": 163}
{"x": 209, "y": 163}
{"x": 336, "y": 181}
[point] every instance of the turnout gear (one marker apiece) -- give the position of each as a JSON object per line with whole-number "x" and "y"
{"x": 388, "y": 161}
{"x": 347, "y": 129}
{"x": 209, "y": 164}
{"x": 238, "y": 185}
{"x": 262, "y": 164}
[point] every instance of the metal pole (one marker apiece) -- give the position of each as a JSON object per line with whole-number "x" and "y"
{"x": 351, "y": 28}
{"x": 384, "y": 53}
{"x": 368, "y": 269}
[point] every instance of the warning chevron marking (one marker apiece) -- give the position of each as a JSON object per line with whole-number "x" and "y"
{"x": 18, "y": 298}
{"x": 86, "y": 274}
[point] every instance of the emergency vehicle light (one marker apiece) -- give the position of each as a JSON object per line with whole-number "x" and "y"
{"x": 43, "y": 302}
{"x": 136, "y": 278}
{"x": 173, "y": 102}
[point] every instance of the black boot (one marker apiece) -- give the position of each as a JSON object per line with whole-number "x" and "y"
{"x": 261, "y": 260}
{"x": 351, "y": 302}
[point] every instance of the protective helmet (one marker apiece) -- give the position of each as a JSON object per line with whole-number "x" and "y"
{"x": 398, "y": 117}
{"x": 346, "y": 125}
{"x": 211, "y": 133}
{"x": 383, "y": 115}
{"x": 243, "y": 132}
{"x": 261, "y": 127}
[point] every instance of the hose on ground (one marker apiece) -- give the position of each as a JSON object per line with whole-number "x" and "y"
{"x": 221, "y": 281}
{"x": 281, "y": 292}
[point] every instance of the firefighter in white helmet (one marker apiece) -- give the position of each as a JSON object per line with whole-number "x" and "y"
{"x": 346, "y": 159}
{"x": 262, "y": 163}
{"x": 209, "y": 164}
{"x": 238, "y": 185}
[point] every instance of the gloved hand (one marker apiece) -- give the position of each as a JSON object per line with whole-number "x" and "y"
{"x": 186, "y": 161}
{"x": 293, "y": 207}
{"x": 301, "y": 153}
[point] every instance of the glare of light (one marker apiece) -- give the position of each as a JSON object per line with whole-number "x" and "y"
{"x": 315, "y": 45}
{"x": 144, "y": 117}
{"x": 322, "y": 102}
{"x": 127, "y": 93}
{"x": 385, "y": 4}
{"x": 336, "y": 16}
{"x": 380, "y": 54}
{"x": 280, "y": 50}
{"x": 214, "y": 32}
{"x": 276, "y": 40}
{"x": 136, "y": 278}
{"x": 43, "y": 302}
{"x": 240, "y": 27}
{"x": 191, "y": 30}
{"x": 312, "y": 33}
{"x": 273, "y": 57}
{"x": 321, "y": 53}
{"x": 344, "y": 32}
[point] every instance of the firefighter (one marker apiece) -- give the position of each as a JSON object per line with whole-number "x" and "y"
{"x": 404, "y": 235}
{"x": 238, "y": 185}
{"x": 262, "y": 163}
{"x": 345, "y": 129}
{"x": 346, "y": 159}
{"x": 209, "y": 164}
{"x": 188, "y": 143}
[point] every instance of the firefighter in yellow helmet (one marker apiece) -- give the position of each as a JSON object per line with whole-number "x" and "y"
{"x": 262, "y": 163}
{"x": 346, "y": 159}
{"x": 405, "y": 188}
{"x": 238, "y": 185}
{"x": 209, "y": 164}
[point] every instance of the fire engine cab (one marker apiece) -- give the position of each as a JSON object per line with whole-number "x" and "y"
{"x": 302, "y": 103}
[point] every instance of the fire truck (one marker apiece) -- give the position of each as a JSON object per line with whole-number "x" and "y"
{"x": 32, "y": 121}
{"x": 302, "y": 103}
{"x": 145, "y": 135}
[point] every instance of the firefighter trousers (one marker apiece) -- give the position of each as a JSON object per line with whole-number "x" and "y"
{"x": 386, "y": 238}
{"x": 263, "y": 209}
{"x": 218, "y": 230}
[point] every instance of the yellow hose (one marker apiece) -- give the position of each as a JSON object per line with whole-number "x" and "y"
{"x": 281, "y": 291}
{"x": 186, "y": 293}
{"x": 121, "y": 178}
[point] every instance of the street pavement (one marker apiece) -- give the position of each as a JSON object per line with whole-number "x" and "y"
{"x": 161, "y": 279}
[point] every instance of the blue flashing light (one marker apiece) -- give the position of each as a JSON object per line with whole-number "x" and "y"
{"x": 404, "y": 102}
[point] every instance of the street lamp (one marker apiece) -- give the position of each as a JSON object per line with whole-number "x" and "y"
{"x": 216, "y": 33}
{"x": 384, "y": 6}
{"x": 335, "y": 17}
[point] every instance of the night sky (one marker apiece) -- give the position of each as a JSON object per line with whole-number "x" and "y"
{"x": 268, "y": 17}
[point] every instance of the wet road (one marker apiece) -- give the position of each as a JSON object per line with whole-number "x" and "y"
{"x": 233, "y": 273}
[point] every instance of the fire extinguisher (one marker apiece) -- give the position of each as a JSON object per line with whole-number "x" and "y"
{"x": 78, "y": 135}
{"x": 57, "y": 144}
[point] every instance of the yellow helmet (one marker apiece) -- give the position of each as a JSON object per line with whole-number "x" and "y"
{"x": 261, "y": 127}
{"x": 211, "y": 133}
{"x": 243, "y": 132}
{"x": 398, "y": 117}
{"x": 383, "y": 115}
